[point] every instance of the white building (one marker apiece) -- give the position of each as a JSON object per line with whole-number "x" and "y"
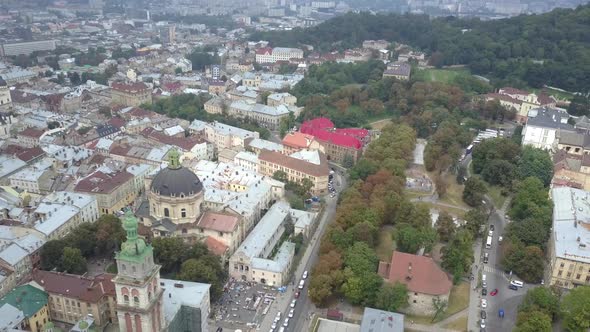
{"x": 247, "y": 160}
{"x": 264, "y": 115}
{"x": 543, "y": 128}
{"x": 86, "y": 204}
{"x": 272, "y": 55}
{"x": 221, "y": 135}
{"x": 251, "y": 261}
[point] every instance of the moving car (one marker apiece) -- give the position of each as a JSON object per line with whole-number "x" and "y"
{"x": 494, "y": 292}
{"x": 486, "y": 258}
{"x": 517, "y": 283}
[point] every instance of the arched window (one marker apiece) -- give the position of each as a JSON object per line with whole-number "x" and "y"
{"x": 166, "y": 212}
{"x": 126, "y": 298}
{"x": 136, "y": 300}
{"x": 183, "y": 213}
{"x": 133, "y": 268}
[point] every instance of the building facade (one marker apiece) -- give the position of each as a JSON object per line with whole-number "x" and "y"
{"x": 131, "y": 94}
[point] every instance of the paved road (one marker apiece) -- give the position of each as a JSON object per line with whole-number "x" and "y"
{"x": 300, "y": 321}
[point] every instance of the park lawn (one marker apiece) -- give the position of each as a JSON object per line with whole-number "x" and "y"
{"x": 386, "y": 244}
{"x": 458, "y": 300}
{"x": 556, "y": 93}
{"x": 459, "y": 324}
{"x": 454, "y": 194}
{"x": 495, "y": 193}
{"x": 442, "y": 75}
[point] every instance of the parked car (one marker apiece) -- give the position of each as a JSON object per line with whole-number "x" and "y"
{"x": 483, "y": 314}
{"x": 491, "y": 227}
{"x": 484, "y": 292}
{"x": 513, "y": 287}
{"x": 286, "y": 322}
{"x": 297, "y": 293}
{"x": 291, "y": 313}
{"x": 486, "y": 258}
{"x": 484, "y": 303}
{"x": 301, "y": 284}
{"x": 482, "y": 324}
{"x": 293, "y": 303}
{"x": 500, "y": 238}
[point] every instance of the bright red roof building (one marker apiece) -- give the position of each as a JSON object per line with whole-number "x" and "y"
{"x": 323, "y": 130}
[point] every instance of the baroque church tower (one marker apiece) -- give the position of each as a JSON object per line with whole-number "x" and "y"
{"x": 139, "y": 295}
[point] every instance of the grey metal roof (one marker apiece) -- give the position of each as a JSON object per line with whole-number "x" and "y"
{"x": 548, "y": 118}
{"x": 375, "y": 320}
{"x": 571, "y": 223}
{"x": 176, "y": 182}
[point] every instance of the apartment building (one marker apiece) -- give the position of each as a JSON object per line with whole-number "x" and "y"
{"x": 221, "y": 135}
{"x": 569, "y": 244}
{"x": 131, "y": 94}
{"x": 113, "y": 191}
{"x": 338, "y": 143}
{"x": 73, "y": 297}
{"x": 301, "y": 165}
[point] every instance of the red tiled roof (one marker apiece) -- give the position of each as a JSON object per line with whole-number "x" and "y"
{"x": 264, "y": 50}
{"x": 297, "y": 140}
{"x": 545, "y": 99}
{"x": 137, "y": 112}
{"x": 172, "y": 86}
{"x": 419, "y": 273}
{"x": 24, "y": 154}
{"x": 513, "y": 91}
{"x": 129, "y": 87}
{"x": 117, "y": 122}
{"x": 323, "y": 130}
{"x": 185, "y": 143}
{"x": 32, "y": 132}
{"x": 215, "y": 246}
{"x": 218, "y": 222}
{"x": 119, "y": 150}
{"x": 102, "y": 183}
{"x": 75, "y": 286}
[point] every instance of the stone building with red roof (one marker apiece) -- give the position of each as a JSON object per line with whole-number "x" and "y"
{"x": 337, "y": 142}
{"x": 113, "y": 191}
{"x": 30, "y": 137}
{"x": 424, "y": 279}
{"x": 131, "y": 94}
{"x": 72, "y": 297}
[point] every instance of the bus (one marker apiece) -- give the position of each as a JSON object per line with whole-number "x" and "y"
{"x": 469, "y": 149}
{"x": 489, "y": 243}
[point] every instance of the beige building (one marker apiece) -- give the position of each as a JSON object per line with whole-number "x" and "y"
{"x": 5, "y": 99}
{"x": 281, "y": 98}
{"x": 215, "y": 105}
{"x": 29, "y": 137}
{"x": 113, "y": 191}
{"x": 131, "y": 94}
{"x": 73, "y": 297}
{"x": 424, "y": 279}
{"x": 569, "y": 253}
{"x": 317, "y": 171}
{"x": 520, "y": 101}
{"x": 295, "y": 141}
{"x": 221, "y": 232}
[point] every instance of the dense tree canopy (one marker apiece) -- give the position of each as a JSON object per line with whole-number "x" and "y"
{"x": 575, "y": 304}
{"x": 533, "y": 50}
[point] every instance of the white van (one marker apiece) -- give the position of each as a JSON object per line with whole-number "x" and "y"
{"x": 517, "y": 283}
{"x": 483, "y": 281}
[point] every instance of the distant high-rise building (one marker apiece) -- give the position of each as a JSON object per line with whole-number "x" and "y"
{"x": 168, "y": 34}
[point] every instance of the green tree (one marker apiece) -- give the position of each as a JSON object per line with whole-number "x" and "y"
{"x": 320, "y": 289}
{"x": 280, "y": 176}
{"x": 541, "y": 299}
{"x": 72, "y": 261}
{"x": 534, "y": 321}
{"x": 361, "y": 288}
{"x": 579, "y": 105}
{"x": 201, "y": 59}
{"x": 458, "y": 255}
{"x": 200, "y": 270}
{"x": 474, "y": 191}
{"x": 51, "y": 253}
{"x": 408, "y": 238}
{"x": 348, "y": 161}
{"x": 168, "y": 252}
{"x": 392, "y": 297}
{"x": 537, "y": 163}
{"x": 362, "y": 169}
{"x": 361, "y": 258}
{"x": 109, "y": 234}
{"x": 474, "y": 220}
{"x": 574, "y": 309}
{"x": 445, "y": 226}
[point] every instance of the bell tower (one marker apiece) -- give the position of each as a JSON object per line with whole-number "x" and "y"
{"x": 139, "y": 295}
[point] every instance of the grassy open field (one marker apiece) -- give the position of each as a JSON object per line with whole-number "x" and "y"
{"x": 386, "y": 244}
{"x": 441, "y": 75}
{"x": 459, "y": 324}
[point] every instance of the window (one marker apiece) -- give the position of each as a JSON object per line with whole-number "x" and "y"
{"x": 183, "y": 213}
{"x": 126, "y": 298}
{"x": 578, "y": 276}
{"x": 559, "y": 273}
{"x": 136, "y": 300}
{"x": 166, "y": 212}
{"x": 184, "y": 231}
{"x": 561, "y": 265}
{"x": 569, "y": 274}
{"x": 414, "y": 301}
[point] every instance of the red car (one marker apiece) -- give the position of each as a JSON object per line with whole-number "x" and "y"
{"x": 494, "y": 292}
{"x": 297, "y": 294}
